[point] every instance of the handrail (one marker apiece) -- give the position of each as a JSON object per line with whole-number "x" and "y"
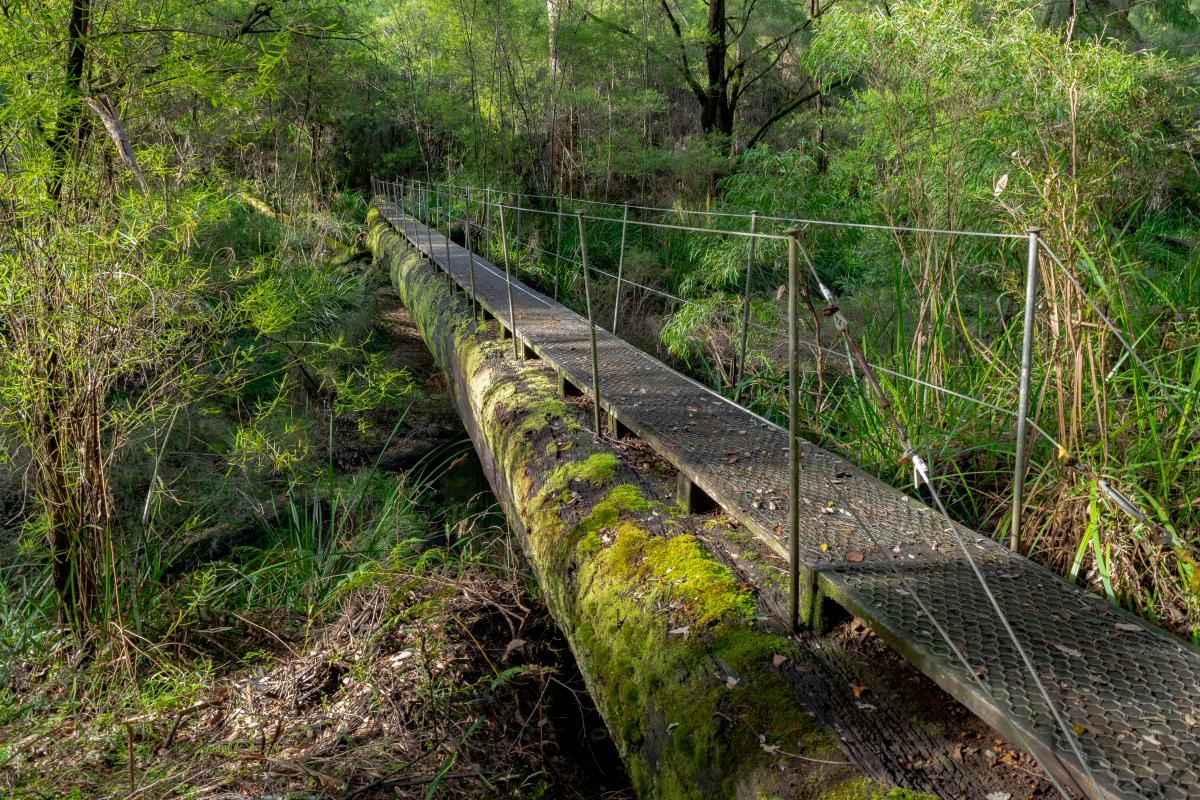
{"x": 922, "y": 471}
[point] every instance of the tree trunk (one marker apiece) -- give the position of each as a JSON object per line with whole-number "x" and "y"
{"x": 716, "y": 112}
{"x": 557, "y": 130}
{"x": 70, "y": 112}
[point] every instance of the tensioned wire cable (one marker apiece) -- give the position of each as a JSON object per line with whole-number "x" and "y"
{"x": 1085, "y": 468}
{"x": 1124, "y": 503}
{"x": 731, "y": 215}
{"x": 810, "y": 345}
{"x": 1082, "y": 466}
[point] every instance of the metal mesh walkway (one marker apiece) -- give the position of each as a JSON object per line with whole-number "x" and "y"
{"x": 1130, "y": 691}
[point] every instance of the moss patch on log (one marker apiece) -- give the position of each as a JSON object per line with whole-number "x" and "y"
{"x": 688, "y": 681}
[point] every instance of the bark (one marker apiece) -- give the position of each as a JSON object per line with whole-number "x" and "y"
{"x": 559, "y": 123}
{"x": 107, "y": 112}
{"x": 716, "y": 108}
{"x": 71, "y": 110}
{"x": 666, "y": 638}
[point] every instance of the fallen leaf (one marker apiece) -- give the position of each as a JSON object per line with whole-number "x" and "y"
{"x": 854, "y": 556}
{"x": 680, "y": 631}
{"x": 779, "y": 660}
{"x": 1071, "y": 651}
{"x": 857, "y": 688}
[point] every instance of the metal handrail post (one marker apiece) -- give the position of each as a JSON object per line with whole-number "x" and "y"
{"x": 420, "y": 208}
{"x": 1031, "y": 269}
{"x": 558, "y": 248}
{"x": 470, "y": 253}
{"x": 512, "y": 314}
{"x": 487, "y": 221}
{"x": 449, "y": 217}
{"x": 741, "y": 364}
{"x": 620, "y": 268}
{"x": 429, "y": 225}
{"x": 517, "y": 229}
{"x": 794, "y": 422}
{"x": 587, "y": 300}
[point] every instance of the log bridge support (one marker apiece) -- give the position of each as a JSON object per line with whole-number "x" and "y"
{"x": 690, "y": 680}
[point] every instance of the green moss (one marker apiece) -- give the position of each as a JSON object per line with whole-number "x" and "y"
{"x": 709, "y": 587}
{"x": 589, "y": 546}
{"x": 623, "y": 498}
{"x": 741, "y": 649}
{"x": 597, "y": 469}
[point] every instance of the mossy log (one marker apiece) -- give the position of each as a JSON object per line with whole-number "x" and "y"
{"x": 684, "y": 673}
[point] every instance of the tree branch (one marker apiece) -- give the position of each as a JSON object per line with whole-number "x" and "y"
{"x": 784, "y": 110}
{"x": 685, "y": 66}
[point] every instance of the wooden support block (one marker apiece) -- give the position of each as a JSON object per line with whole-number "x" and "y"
{"x": 528, "y": 352}
{"x": 818, "y": 611}
{"x": 690, "y": 497}
{"x": 616, "y": 428}
{"x": 566, "y": 388}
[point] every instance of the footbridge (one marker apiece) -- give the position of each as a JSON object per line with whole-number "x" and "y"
{"x": 1107, "y": 703}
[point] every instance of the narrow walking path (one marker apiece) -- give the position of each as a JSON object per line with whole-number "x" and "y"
{"x": 1128, "y": 691}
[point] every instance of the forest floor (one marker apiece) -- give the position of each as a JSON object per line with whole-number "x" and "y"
{"x": 431, "y": 670}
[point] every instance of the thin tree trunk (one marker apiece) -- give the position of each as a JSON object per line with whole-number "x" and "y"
{"x": 70, "y": 112}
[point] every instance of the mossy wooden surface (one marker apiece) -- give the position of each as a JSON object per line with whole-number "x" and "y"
{"x": 685, "y": 677}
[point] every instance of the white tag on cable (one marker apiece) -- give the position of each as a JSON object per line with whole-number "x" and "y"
{"x": 920, "y": 471}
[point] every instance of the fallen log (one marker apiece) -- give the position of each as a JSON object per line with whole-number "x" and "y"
{"x": 686, "y": 675}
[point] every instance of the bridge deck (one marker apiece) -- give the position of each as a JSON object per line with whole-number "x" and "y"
{"x": 1130, "y": 692}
